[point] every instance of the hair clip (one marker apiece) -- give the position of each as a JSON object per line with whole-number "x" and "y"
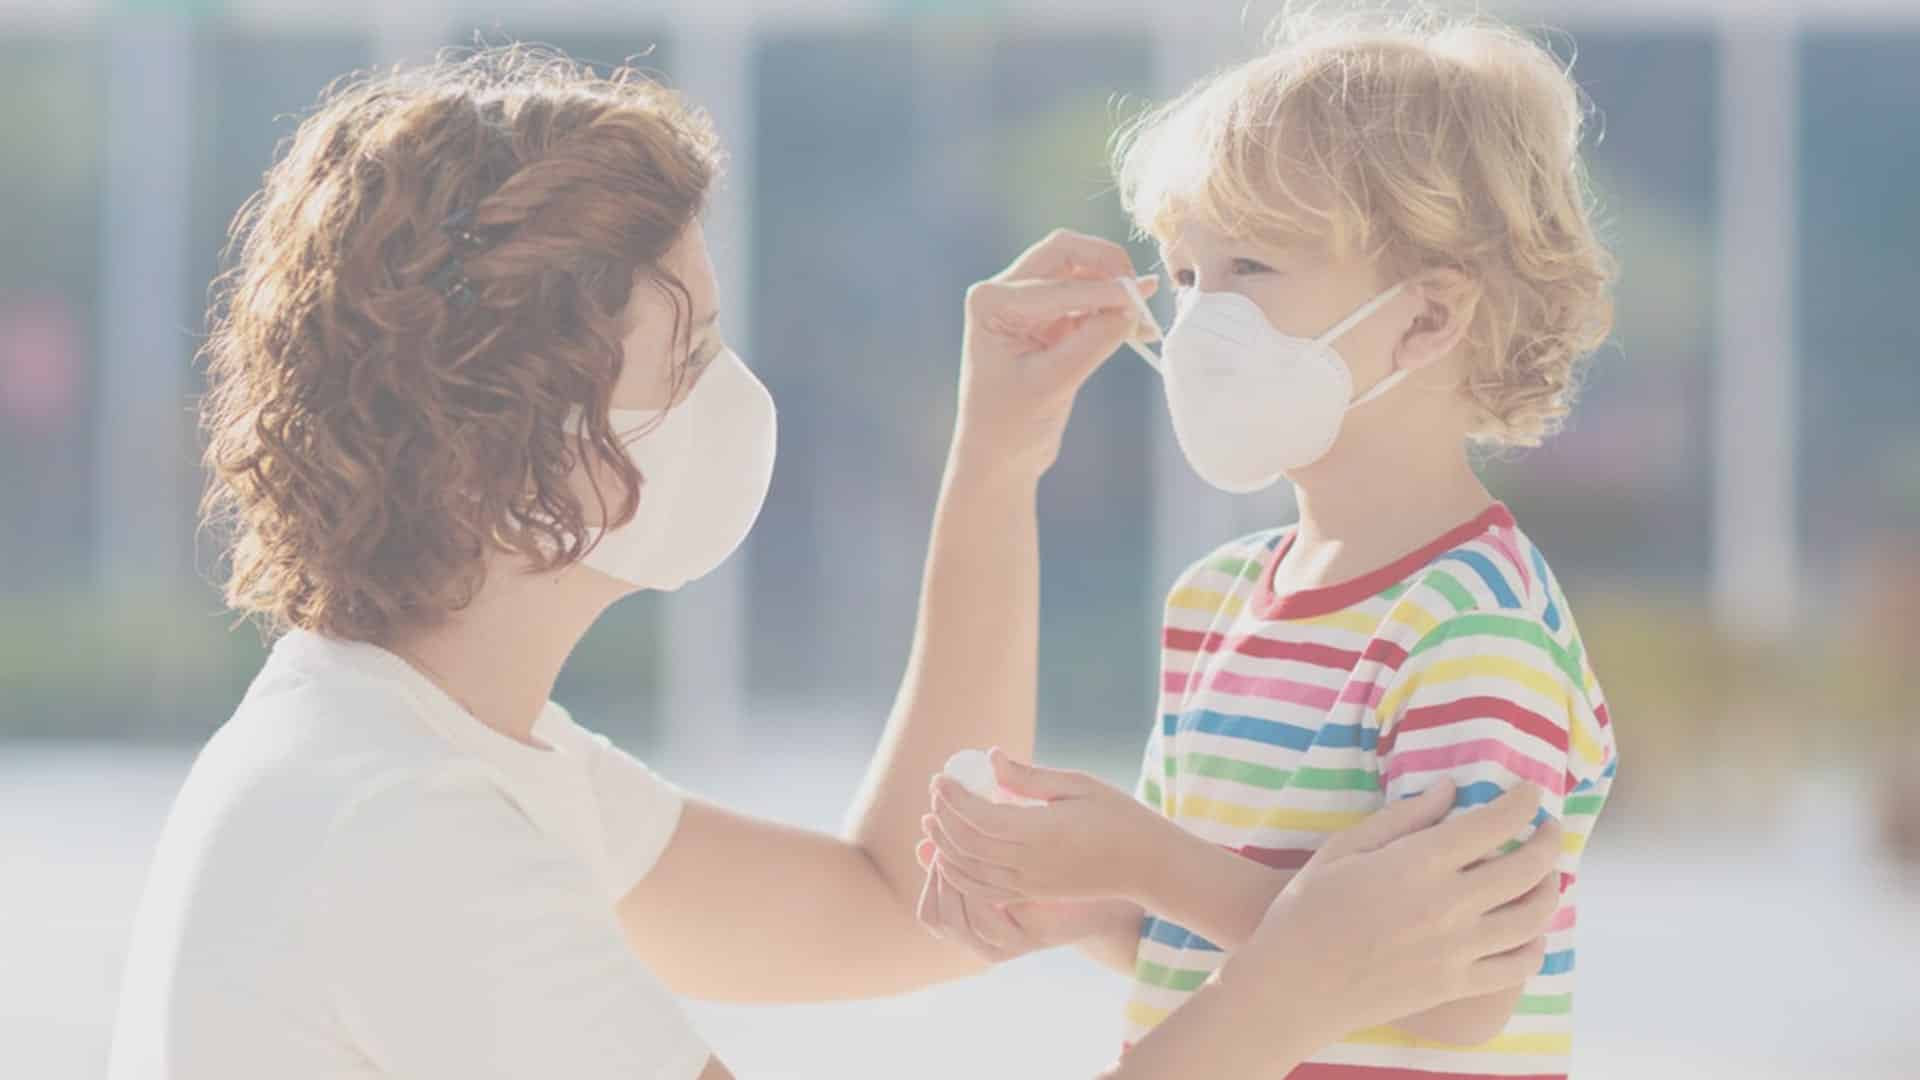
{"x": 459, "y": 225}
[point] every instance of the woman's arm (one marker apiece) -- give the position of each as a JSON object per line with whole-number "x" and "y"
{"x": 748, "y": 910}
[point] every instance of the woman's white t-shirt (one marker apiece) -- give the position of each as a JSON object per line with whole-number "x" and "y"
{"x": 361, "y": 880}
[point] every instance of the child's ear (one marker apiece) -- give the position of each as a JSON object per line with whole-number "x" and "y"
{"x": 1449, "y": 297}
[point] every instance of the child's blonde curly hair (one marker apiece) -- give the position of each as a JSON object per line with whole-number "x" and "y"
{"x": 1420, "y": 140}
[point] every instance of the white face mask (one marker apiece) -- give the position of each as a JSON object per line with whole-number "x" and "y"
{"x": 706, "y": 466}
{"x": 1249, "y": 403}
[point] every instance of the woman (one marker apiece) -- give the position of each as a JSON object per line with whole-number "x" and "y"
{"x": 468, "y": 389}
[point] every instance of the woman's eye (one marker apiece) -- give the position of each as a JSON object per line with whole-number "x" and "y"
{"x": 1251, "y": 266}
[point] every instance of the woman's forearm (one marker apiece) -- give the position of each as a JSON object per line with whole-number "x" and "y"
{"x": 970, "y": 679}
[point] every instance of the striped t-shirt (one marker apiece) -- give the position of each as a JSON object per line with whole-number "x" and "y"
{"x": 1285, "y": 719}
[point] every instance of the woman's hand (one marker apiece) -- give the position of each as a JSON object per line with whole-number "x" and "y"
{"x": 1090, "y": 839}
{"x": 1002, "y": 932}
{"x": 1034, "y": 333}
{"x": 1392, "y": 917}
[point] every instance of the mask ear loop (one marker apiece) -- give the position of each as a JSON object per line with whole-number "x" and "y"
{"x": 1139, "y": 347}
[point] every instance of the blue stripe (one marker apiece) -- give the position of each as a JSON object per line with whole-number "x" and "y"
{"x": 1483, "y": 566}
{"x": 1611, "y": 765}
{"x": 1179, "y": 937}
{"x": 1557, "y": 963}
{"x": 1481, "y": 792}
{"x": 1168, "y": 723}
{"x": 1272, "y": 732}
{"x": 1584, "y": 785}
{"x": 1552, "y": 614}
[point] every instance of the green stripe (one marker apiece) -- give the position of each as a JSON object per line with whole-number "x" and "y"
{"x": 1336, "y": 779}
{"x": 1456, "y": 594}
{"x": 1583, "y": 804}
{"x": 1395, "y": 592}
{"x": 1150, "y": 793}
{"x": 1523, "y": 630}
{"x": 1237, "y": 567}
{"x": 1544, "y": 1005}
{"x": 1178, "y": 979}
{"x": 1509, "y": 847}
{"x": 1266, "y": 776}
{"x": 1244, "y": 772}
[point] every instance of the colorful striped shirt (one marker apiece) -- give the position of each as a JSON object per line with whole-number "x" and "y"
{"x": 1285, "y": 719}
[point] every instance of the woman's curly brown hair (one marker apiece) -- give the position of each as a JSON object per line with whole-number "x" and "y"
{"x": 371, "y": 438}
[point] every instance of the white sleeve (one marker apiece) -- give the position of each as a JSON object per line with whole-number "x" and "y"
{"x": 462, "y": 945}
{"x": 639, "y": 811}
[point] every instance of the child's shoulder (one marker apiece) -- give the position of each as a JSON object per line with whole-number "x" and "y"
{"x": 1496, "y": 570}
{"x": 1239, "y": 561}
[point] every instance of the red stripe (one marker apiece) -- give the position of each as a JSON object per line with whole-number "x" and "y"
{"x": 1263, "y": 648}
{"x": 1311, "y": 1071}
{"x": 1277, "y": 858}
{"x": 1385, "y": 653}
{"x": 1600, "y": 714}
{"x": 1429, "y": 717}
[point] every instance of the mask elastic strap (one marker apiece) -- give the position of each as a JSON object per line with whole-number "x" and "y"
{"x": 1139, "y": 301}
{"x": 1359, "y": 313}
{"x": 1381, "y": 387}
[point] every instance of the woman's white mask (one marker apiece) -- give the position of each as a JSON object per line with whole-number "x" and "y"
{"x": 1249, "y": 403}
{"x": 706, "y": 464}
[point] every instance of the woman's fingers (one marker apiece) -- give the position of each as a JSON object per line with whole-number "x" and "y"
{"x": 1063, "y": 251}
{"x": 1035, "y": 303}
{"x": 1507, "y": 969}
{"x": 1508, "y": 928}
{"x": 1402, "y": 817}
{"x": 1501, "y": 880}
{"x": 1469, "y": 837}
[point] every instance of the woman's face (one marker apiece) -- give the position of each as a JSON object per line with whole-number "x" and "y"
{"x": 652, "y": 349}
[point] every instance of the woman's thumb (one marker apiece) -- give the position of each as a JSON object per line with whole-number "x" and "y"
{"x": 1087, "y": 346}
{"x": 1032, "y": 781}
{"x": 1402, "y": 817}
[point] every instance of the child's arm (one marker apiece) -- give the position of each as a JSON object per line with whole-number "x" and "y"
{"x": 1093, "y": 840}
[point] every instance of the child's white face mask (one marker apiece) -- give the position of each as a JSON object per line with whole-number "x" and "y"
{"x": 1249, "y": 403}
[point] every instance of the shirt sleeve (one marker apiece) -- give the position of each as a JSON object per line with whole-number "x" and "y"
{"x": 460, "y": 943}
{"x": 1486, "y": 700}
{"x": 639, "y": 812}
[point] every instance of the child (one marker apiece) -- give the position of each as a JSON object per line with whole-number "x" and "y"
{"x": 1383, "y": 247}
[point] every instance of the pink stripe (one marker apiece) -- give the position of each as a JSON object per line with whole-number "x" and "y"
{"x": 1275, "y": 689}
{"x": 1368, "y": 694}
{"x": 1504, "y": 540}
{"x": 1562, "y": 919}
{"x": 1476, "y": 752}
{"x": 1175, "y": 682}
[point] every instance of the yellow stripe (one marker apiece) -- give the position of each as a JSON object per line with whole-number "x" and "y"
{"x": 1541, "y": 1043}
{"x": 1144, "y": 1016}
{"x": 1279, "y": 817}
{"x": 1475, "y": 667}
{"x": 1572, "y": 843}
{"x": 1582, "y": 741}
{"x": 1191, "y": 598}
{"x": 1355, "y": 622}
{"x": 1413, "y": 616}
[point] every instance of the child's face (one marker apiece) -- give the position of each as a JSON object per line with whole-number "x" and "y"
{"x": 1302, "y": 289}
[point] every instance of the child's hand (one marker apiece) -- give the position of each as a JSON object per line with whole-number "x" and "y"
{"x": 1001, "y": 932}
{"x": 1090, "y": 840}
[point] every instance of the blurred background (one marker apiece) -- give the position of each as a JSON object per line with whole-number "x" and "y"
{"x": 1735, "y": 509}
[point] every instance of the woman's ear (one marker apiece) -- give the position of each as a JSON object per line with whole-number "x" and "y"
{"x": 1449, "y": 298}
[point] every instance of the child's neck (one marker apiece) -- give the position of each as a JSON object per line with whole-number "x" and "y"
{"x": 1360, "y": 512}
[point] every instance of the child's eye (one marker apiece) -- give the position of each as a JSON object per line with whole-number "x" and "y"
{"x": 1183, "y": 279}
{"x": 1251, "y": 266}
